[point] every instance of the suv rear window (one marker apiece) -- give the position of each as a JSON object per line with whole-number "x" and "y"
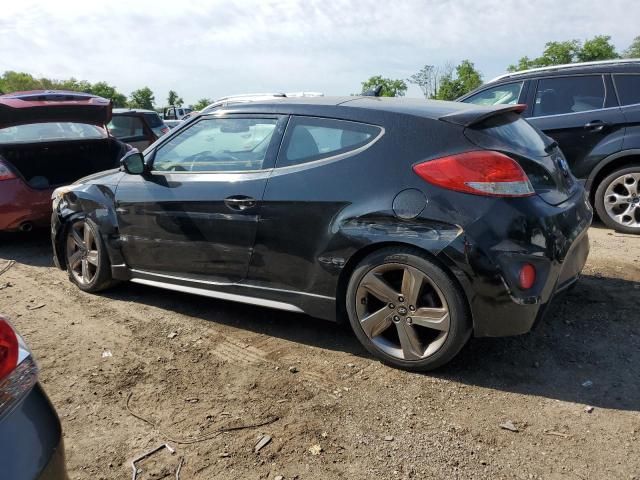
{"x": 556, "y": 96}
{"x": 628, "y": 88}
{"x": 52, "y": 131}
{"x": 153, "y": 119}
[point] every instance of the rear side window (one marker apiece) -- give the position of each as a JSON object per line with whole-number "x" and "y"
{"x": 556, "y": 96}
{"x": 308, "y": 139}
{"x": 628, "y": 87}
{"x": 506, "y": 94}
{"x": 125, "y": 126}
{"x": 153, "y": 119}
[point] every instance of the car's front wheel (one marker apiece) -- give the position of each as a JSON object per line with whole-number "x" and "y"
{"x": 617, "y": 200}
{"x": 86, "y": 257}
{"x": 406, "y": 310}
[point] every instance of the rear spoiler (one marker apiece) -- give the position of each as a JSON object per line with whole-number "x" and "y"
{"x": 477, "y": 114}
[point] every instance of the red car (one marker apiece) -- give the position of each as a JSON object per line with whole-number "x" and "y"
{"x": 49, "y": 139}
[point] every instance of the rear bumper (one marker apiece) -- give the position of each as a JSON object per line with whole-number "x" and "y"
{"x": 20, "y": 204}
{"x": 31, "y": 445}
{"x": 487, "y": 258}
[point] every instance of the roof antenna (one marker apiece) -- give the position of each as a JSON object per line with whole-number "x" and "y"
{"x": 373, "y": 92}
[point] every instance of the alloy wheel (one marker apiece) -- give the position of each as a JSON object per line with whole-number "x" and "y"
{"x": 622, "y": 200}
{"x": 82, "y": 253}
{"x": 402, "y": 311}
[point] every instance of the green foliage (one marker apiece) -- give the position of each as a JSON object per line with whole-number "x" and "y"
{"x": 390, "y": 87}
{"x": 634, "y": 49}
{"x": 200, "y": 104}
{"x": 103, "y": 89}
{"x": 570, "y": 51}
{"x": 174, "y": 99}
{"x": 466, "y": 79}
{"x": 18, "y": 82}
{"x": 142, "y": 98}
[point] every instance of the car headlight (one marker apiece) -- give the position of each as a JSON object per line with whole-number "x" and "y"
{"x": 59, "y": 192}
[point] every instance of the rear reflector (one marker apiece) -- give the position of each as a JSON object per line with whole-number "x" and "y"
{"x": 8, "y": 349}
{"x": 527, "y": 276}
{"x": 5, "y": 173}
{"x": 482, "y": 172}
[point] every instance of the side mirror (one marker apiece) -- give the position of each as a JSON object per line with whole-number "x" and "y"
{"x": 133, "y": 163}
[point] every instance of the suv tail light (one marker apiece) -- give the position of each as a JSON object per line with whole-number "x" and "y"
{"x": 5, "y": 173}
{"x": 18, "y": 371}
{"x": 482, "y": 172}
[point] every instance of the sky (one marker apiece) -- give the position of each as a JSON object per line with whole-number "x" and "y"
{"x": 216, "y": 48}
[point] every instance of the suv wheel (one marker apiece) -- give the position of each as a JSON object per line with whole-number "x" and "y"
{"x": 88, "y": 264}
{"x": 406, "y": 310}
{"x": 618, "y": 200}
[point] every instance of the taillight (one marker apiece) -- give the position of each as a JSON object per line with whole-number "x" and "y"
{"x": 5, "y": 173}
{"x": 527, "y": 276}
{"x": 481, "y": 172}
{"x": 8, "y": 349}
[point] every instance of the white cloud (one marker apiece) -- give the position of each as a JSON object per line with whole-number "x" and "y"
{"x": 216, "y": 48}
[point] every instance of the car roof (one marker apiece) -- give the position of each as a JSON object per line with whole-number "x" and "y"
{"x": 625, "y": 65}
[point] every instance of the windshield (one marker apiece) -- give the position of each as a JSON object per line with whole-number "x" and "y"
{"x": 52, "y": 131}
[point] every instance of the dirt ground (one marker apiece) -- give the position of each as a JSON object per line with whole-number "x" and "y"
{"x": 192, "y": 366}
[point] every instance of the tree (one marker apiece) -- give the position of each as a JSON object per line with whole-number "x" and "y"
{"x": 18, "y": 81}
{"x": 200, "y": 104}
{"x": 390, "y": 87}
{"x": 104, "y": 90}
{"x": 634, "y": 49}
{"x": 466, "y": 79}
{"x": 174, "y": 99}
{"x": 142, "y": 98}
{"x": 428, "y": 79}
{"x": 598, "y": 48}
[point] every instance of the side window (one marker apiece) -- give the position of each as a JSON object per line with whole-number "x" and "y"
{"x": 556, "y": 96}
{"x": 506, "y": 94}
{"x": 125, "y": 126}
{"x": 217, "y": 145}
{"x": 628, "y": 87}
{"x": 309, "y": 138}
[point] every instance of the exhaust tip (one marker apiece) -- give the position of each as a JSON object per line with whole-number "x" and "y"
{"x": 26, "y": 227}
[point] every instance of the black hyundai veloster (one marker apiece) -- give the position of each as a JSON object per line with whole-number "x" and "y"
{"x": 421, "y": 222}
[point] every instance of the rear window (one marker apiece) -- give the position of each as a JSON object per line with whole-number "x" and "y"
{"x": 153, "y": 119}
{"x": 512, "y": 130}
{"x": 506, "y": 94}
{"x": 51, "y": 131}
{"x": 628, "y": 87}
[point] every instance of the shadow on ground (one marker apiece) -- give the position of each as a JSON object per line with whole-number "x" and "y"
{"x": 590, "y": 336}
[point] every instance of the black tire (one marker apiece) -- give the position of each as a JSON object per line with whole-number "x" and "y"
{"x": 459, "y": 328}
{"x": 601, "y": 197}
{"x": 100, "y": 277}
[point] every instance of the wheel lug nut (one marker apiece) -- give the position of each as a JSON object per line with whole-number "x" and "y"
{"x": 412, "y": 308}
{"x": 391, "y": 305}
{"x": 401, "y": 299}
{"x": 396, "y": 318}
{"x": 409, "y": 320}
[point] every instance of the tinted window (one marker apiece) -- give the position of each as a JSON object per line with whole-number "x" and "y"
{"x": 507, "y": 94}
{"x": 628, "y": 87}
{"x": 153, "y": 119}
{"x": 556, "y": 96}
{"x": 52, "y": 131}
{"x": 218, "y": 144}
{"x": 308, "y": 139}
{"x": 125, "y": 126}
{"x": 512, "y": 130}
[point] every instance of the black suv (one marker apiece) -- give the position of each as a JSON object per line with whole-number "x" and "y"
{"x": 593, "y": 111}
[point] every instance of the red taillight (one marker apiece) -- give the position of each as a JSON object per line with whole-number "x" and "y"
{"x": 482, "y": 172}
{"x": 5, "y": 173}
{"x": 527, "y": 276}
{"x": 8, "y": 349}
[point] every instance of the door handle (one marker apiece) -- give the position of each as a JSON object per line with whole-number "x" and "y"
{"x": 596, "y": 125}
{"x": 240, "y": 202}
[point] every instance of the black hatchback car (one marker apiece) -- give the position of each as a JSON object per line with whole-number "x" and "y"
{"x": 420, "y": 222}
{"x": 593, "y": 111}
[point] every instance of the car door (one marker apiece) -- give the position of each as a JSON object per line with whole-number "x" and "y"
{"x": 132, "y": 130}
{"x": 628, "y": 89}
{"x": 195, "y": 214}
{"x": 581, "y": 114}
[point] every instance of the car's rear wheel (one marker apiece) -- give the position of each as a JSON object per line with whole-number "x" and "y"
{"x": 86, "y": 257}
{"x": 406, "y": 310}
{"x": 618, "y": 200}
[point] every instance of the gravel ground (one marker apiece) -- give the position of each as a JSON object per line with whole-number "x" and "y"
{"x": 135, "y": 367}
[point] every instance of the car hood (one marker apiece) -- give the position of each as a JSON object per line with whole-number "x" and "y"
{"x": 40, "y": 106}
{"x": 106, "y": 177}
